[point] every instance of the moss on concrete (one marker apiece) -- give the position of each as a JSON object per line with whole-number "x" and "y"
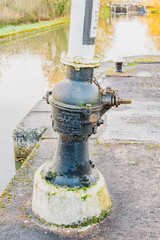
{"x": 86, "y": 222}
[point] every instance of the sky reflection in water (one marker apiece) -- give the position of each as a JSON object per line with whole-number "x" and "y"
{"x": 131, "y": 38}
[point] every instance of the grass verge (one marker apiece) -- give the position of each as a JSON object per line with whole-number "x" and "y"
{"x": 154, "y": 10}
{"x": 11, "y": 30}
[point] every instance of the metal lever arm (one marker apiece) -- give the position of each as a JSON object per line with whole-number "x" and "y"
{"x": 111, "y": 98}
{"x": 124, "y": 101}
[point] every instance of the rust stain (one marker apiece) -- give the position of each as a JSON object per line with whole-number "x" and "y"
{"x": 94, "y": 118}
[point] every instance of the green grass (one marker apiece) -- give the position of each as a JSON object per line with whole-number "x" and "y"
{"x": 154, "y": 10}
{"x": 106, "y": 12}
{"x": 132, "y": 64}
{"x": 12, "y": 30}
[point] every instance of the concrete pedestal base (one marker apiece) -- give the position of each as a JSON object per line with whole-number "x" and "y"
{"x": 64, "y": 206}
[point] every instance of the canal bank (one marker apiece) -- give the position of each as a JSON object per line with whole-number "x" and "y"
{"x": 12, "y": 31}
{"x": 129, "y": 162}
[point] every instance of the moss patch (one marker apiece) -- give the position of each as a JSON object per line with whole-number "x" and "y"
{"x": 85, "y": 223}
{"x": 85, "y": 197}
{"x": 104, "y": 198}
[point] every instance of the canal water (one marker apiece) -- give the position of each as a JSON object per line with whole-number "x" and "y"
{"x": 29, "y": 66}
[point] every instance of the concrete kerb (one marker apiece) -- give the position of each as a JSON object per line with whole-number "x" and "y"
{"x": 29, "y": 131}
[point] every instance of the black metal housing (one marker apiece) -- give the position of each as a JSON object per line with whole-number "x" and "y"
{"x": 119, "y": 67}
{"x": 77, "y": 107}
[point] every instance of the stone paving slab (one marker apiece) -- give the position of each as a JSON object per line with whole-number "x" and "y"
{"x": 143, "y": 69}
{"x": 49, "y": 134}
{"x": 137, "y": 88}
{"x": 36, "y": 120}
{"x": 138, "y": 122}
{"x": 41, "y": 106}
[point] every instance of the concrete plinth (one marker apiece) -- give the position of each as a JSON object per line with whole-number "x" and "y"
{"x": 64, "y": 206}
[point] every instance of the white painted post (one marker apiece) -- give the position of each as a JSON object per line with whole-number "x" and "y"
{"x": 84, "y": 14}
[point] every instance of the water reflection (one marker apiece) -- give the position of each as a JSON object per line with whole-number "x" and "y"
{"x": 23, "y": 81}
{"x": 31, "y": 65}
{"x": 153, "y": 23}
{"x": 53, "y": 70}
{"x": 128, "y": 35}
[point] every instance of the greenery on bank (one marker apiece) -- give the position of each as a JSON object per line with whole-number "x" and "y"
{"x": 154, "y": 10}
{"x": 13, "y": 12}
{"x": 22, "y": 28}
{"x": 106, "y": 12}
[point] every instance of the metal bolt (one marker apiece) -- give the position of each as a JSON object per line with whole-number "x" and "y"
{"x": 86, "y": 184}
{"x": 100, "y": 121}
{"x": 85, "y": 179}
{"x": 48, "y": 94}
{"x": 91, "y": 164}
{"x": 49, "y": 176}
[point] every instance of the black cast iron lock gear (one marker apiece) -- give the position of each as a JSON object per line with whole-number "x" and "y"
{"x": 78, "y": 104}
